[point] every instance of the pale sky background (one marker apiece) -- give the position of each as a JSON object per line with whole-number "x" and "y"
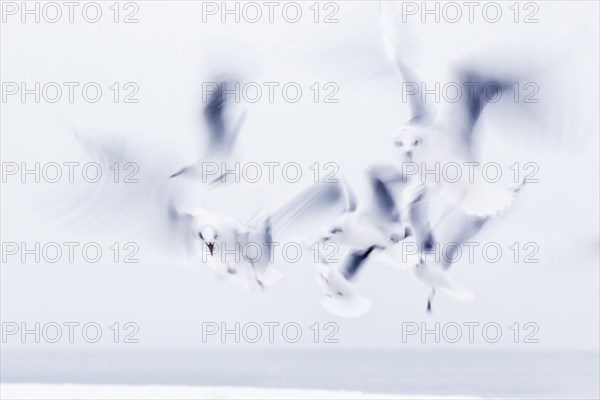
{"x": 170, "y": 52}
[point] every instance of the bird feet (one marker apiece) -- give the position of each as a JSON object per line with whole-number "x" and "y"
{"x": 430, "y": 300}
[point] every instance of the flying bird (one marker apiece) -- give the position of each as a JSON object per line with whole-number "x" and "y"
{"x": 447, "y": 133}
{"x": 242, "y": 252}
{"x": 363, "y": 230}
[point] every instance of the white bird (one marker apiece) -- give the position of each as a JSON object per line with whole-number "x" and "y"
{"x": 155, "y": 190}
{"x": 239, "y": 251}
{"x": 434, "y": 276}
{"x": 364, "y": 229}
{"x": 243, "y": 252}
{"x": 222, "y": 243}
{"x": 428, "y": 270}
{"x": 432, "y": 138}
{"x": 448, "y": 232}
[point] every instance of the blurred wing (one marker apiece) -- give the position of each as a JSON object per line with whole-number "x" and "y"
{"x": 180, "y": 229}
{"x": 311, "y": 209}
{"x": 398, "y": 37}
{"x": 354, "y": 262}
{"x": 457, "y": 228}
{"x": 387, "y": 188}
{"x": 351, "y": 201}
{"x": 222, "y": 127}
{"x": 419, "y": 220}
{"x": 108, "y": 201}
{"x": 477, "y": 91}
{"x": 129, "y": 200}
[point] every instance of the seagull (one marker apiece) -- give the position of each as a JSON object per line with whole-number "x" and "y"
{"x": 437, "y": 137}
{"x": 239, "y": 251}
{"x": 155, "y": 192}
{"x": 377, "y": 229}
{"x": 434, "y": 137}
{"x": 217, "y": 240}
{"x": 455, "y": 227}
{"x": 371, "y": 232}
{"x": 243, "y": 252}
{"x": 433, "y": 276}
{"x": 427, "y": 270}
{"x": 363, "y": 231}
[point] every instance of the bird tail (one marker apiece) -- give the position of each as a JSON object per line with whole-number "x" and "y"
{"x": 347, "y": 308}
{"x": 458, "y": 292}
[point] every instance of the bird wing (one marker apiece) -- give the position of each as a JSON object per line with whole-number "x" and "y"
{"x": 387, "y": 185}
{"x": 419, "y": 220}
{"x": 354, "y": 262}
{"x": 398, "y": 36}
{"x": 222, "y": 128}
{"x": 477, "y": 91}
{"x": 306, "y": 212}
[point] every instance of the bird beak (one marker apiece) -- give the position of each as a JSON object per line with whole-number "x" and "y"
{"x": 211, "y": 247}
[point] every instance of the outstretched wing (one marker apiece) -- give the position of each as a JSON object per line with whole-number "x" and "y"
{"x": 222, "y": 127}
{"x": 387, "y": 185}
{"x": 397, "y": 39}
{"x": 354, "y": 262}
{"x": 136, "y": 204}
{"x": 457, "y": 228}
{"x": 305, "y": 213}
{"x": 419, "y": 221}
{"x": 477, "y": 91}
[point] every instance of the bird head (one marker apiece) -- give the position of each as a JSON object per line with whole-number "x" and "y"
{"x": 407, "y": 140}
{"x": 208, "y": 235}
